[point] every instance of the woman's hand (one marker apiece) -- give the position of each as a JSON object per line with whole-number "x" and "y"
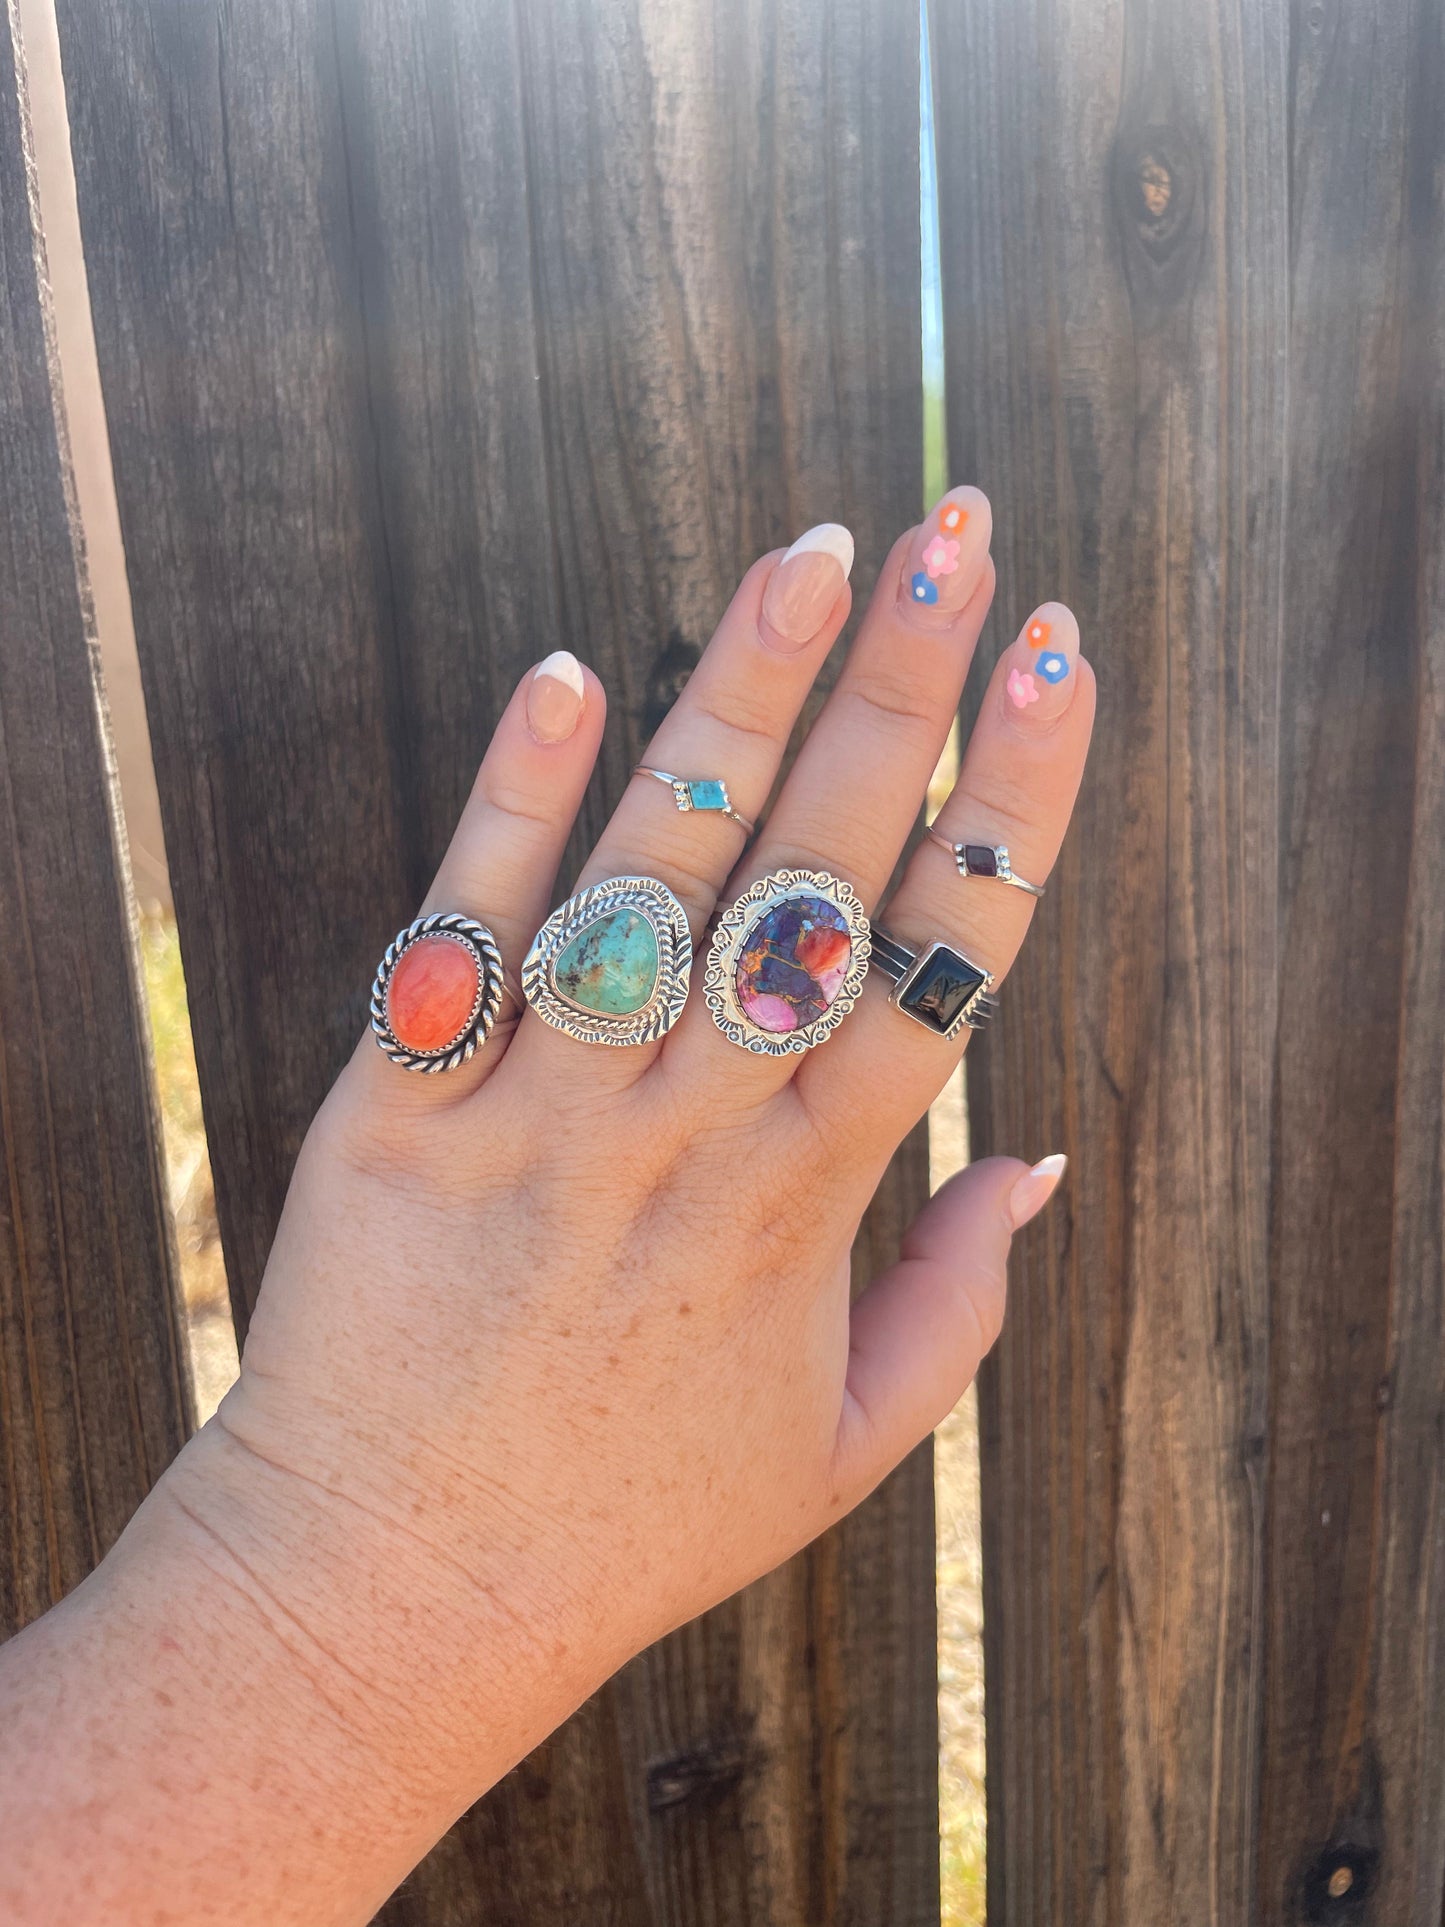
{"x": 555, "y": 1350}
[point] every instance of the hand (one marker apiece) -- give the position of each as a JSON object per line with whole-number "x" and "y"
{"x": 555, "y": 1350}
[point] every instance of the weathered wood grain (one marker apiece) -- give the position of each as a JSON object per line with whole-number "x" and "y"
{"x": 93, "y": 1396}
{"x": 435, "y": 337}
{"x": 1195, "y": 354}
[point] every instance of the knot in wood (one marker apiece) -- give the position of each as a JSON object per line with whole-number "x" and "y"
{"x": 1337, "y": 1885}
{"x": 697, "y": 1776}
{"x": 1159, "y": 205}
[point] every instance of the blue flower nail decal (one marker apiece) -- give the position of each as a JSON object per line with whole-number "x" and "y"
{"x": 1052, "y": 666}
{"x": 923, "y": 589}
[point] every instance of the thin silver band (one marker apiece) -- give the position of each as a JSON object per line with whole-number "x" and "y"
{"x": 1003, "y": 871}
{"x": 684, "y": 794}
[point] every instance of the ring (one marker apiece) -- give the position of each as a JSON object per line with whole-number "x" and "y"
{"x": 984, "y": 860}
{"x": 787, "y": 962}
{"x": 612, "y": 965}
{"x": 938, "y": 987}
{"x": 698, "y": 793}
{"x": 438, "y": 992}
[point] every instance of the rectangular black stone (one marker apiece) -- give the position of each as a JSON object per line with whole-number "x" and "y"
{"x": 942, "y": 989}
{"x": 979, "y": 860}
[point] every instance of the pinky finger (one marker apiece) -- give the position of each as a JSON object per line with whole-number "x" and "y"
{"x": 920, "y": 1331}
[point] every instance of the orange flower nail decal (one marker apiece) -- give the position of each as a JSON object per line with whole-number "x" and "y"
{"x": 951, "y": 518}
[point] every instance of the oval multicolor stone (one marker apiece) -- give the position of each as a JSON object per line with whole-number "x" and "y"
{"x": 610, "y": 967}
{"x": 793, "y": 962}
{"x": 432, "y": 993}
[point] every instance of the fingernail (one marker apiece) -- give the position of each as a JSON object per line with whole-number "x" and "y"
{"x": 807, "y": 582}
{"x": 1035, "y": 1188}
{"x": 1038, "y": 671}
{"x": 555, "y": 697}
{"x": 948, "y": 551}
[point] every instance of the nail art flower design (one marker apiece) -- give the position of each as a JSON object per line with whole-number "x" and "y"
{"x": 1022, "y": 688}
{"x": 940, "y": 556}
{"x": 922, "y": 589}
{"x": 1039, "y": 633}
{"x": 1052, "y": 666}
{"x": 951, "y": 518}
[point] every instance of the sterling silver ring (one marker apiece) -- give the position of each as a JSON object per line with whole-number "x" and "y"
{"x": 937, "y": 987}
{"x": 985, "y": 860}
{"x": 787, "y": 962}
{"x": 438, "y": 992}
{"x": 707, "y": 793}
{"x": 612, "y": 965}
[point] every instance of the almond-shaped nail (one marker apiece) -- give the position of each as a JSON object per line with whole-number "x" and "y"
{"x": 948, "y": 551}
{"x": 1038, "y": 670}
{"x": 1034, "y": 1189}
{"x": 555, "y": 697}
{"x": 806, "y": 584}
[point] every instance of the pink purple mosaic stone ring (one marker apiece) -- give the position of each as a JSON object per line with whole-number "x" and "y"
{"x": 985, "y": 860}
{"x": 787, "y": 962}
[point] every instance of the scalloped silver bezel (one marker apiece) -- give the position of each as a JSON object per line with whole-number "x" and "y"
{"x": 674, "y": 962}
{"x": 719, "y": 980}
{"x": 485, "y": 1009}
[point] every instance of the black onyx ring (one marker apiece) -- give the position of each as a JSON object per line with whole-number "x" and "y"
{"x": 708, "y": 793}
{"x": 937, "y": 987}
{"x": 985, "y": 860}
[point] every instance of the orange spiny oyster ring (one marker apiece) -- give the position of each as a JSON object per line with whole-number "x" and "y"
{"x": 438, "y": 992}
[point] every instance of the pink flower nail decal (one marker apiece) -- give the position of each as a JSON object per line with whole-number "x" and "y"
{"x": 940, "y": 556}
{"x": 1022, "y": 688}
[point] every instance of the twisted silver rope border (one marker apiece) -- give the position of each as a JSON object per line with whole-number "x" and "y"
{"x": 674, "y": 962}
{"x": 484, "y": 1011}
{"x": 718, "y": 987}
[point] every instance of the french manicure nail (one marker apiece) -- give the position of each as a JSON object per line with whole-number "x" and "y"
{"x": 942, "y": 570}
{"x": 1034, "y": 1189}
{"x": 807, "y": 582}
{"x": 555, "y": 697}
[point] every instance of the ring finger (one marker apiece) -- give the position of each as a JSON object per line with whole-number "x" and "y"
{"x": 1015, "y": 793}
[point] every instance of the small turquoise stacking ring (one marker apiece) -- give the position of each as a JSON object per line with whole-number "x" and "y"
{"x": 708, "y": 793}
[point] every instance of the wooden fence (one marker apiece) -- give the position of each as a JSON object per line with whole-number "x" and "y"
{"x": 413, "y": 320}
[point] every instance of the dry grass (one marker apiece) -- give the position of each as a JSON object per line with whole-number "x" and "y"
{"x": 188, "y": 1169}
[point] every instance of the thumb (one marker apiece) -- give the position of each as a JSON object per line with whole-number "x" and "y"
{"x": 921, "y": 1330}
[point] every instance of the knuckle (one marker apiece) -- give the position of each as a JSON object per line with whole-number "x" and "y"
{"x": 739, "y": 710}
{"x": 902, "y": 703}
{"x": 514, "y": 800}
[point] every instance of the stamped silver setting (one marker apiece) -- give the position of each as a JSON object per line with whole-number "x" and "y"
{"x": 482, "y": 945}
{"x": 736, "y": 930}
{"x": 593, "y": 908}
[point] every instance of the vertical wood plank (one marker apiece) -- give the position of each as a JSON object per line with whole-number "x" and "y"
{"x": 1195, "y": 353}
{"x": 435, "y": 337}
{"x": 93, "y": 1396}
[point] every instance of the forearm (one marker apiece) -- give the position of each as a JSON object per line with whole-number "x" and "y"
{"x": 208, "y": 1730}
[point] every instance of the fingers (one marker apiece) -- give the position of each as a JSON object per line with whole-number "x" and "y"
{"x": 859, "y": 780}
{"x": 1016, "y": 788}
{"x": 920, "y": 1332}
{"x": 501, "y": 864}
{"x": 732, "y": 722}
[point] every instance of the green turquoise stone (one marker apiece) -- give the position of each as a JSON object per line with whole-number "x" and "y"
{"x": 611, "y": 966}
{"x": 708, "y": 794}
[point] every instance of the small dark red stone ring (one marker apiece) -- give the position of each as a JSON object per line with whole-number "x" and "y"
{"x": 985, "y": 860}
{"x": 438, "y": 992}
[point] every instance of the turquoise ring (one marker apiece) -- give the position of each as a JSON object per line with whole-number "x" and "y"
{"x": 706, "y": 793}
{"x": 612, "y": 965}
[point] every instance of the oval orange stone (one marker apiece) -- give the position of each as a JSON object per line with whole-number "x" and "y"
{"x": 431, "y": 994}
